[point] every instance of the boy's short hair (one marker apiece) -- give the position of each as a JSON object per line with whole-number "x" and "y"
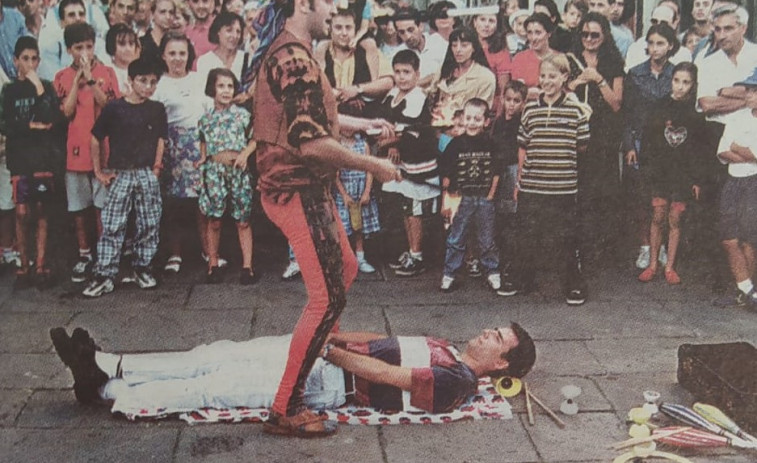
{"x": 557, "y": 60}
{"x": 222, "y": 20}
{"x": 517, "y": 86}
{"x": 143, "y": 66}
{"x": 25, "y": 43}
{"x": 458, "y": 113}
{"x": 213, "y": 75}
{"x": 407, "y": 56}
{"x": 114, "y": 33}
{"x": 65, "y": 3}
{"x": 77, "y": 33}
{"x": 477, "y": 103}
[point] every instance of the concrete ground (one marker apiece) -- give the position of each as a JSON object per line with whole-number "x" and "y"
{"x": 620, "y": 343}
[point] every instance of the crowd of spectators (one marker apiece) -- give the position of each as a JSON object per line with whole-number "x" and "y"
{"x": 529, "y": 133}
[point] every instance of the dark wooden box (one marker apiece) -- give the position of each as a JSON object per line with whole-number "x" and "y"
{"x": 723, "y": 375}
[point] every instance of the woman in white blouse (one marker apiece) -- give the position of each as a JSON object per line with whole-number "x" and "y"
{"x": 226, "y": 33}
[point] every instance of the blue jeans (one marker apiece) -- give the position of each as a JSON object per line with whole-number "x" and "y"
{"x": 481, "y": 212}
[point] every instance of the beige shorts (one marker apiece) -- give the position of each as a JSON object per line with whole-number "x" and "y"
{"x": 83, "y": 190}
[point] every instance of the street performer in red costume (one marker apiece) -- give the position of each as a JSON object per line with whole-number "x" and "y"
{"x": 295, "y": 128}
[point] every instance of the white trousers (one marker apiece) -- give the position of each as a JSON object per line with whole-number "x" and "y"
{"x": 223, "y": 374}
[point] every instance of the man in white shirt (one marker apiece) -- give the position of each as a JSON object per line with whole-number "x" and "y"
{"x": 408, "y": 24}
{"x": 738, "y": 200}
{"x": 637, "y": 53}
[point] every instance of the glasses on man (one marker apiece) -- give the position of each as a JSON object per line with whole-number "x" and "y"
{"x": 590, "y": 35}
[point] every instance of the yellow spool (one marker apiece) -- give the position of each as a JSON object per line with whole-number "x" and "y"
{"x": 508, "y": 387}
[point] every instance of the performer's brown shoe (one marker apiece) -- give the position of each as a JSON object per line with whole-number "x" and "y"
{"x": 305, "y": 424}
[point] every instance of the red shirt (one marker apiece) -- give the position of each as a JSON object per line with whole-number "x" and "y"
{"x": 526, "y": 68}
{"x": 500, "y": 62}
{"x": 78, "y": 156}
{"x": 198, "y": 35}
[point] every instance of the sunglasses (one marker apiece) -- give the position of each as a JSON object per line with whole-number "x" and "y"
{"x": 590, "y": 35}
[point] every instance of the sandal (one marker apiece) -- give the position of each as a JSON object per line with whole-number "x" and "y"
{"x": 173, "y": 264}
{"x": 648, "y": 275}
{"x": 306, "y": 424}
{"x": 671, "y": 276}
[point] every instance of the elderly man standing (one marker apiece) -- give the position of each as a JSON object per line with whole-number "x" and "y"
{"x": 298, "y": 152}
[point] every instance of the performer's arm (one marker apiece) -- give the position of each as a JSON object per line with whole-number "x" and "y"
{"x": 328, "y": 150}
{"x": 373, "y": 370}
{"x": 353, "y": 336}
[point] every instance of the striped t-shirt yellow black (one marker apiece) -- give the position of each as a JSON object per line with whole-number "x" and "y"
{"x": 551, "y": 135}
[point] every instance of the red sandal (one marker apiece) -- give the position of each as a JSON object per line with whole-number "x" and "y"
{"x": 671, "y": 276}
{"x": 648, "y": 275}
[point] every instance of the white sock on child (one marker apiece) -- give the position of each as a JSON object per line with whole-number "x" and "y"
{"x": 745, "y": 286}
{"x": 416, "y": 255}
{"x": 360, "y": 255}
{"x": 85, "y": 253}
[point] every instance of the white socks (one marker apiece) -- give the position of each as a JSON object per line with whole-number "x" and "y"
{"x": 745, "y": 286}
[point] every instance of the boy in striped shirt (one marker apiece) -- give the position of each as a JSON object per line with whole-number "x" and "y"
{"x": 554, "y": 131}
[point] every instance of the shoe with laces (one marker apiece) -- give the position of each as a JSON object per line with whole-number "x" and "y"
{"x": 99, "y": 286}
{"x": 735, "y": 298}
{"x": 78, "y": 354}
{"x": 474, "y": 268}
{"x": 292, "y": 271}
{"x": 11, "y": 258}
{"x": 508, "y": 286}
{"x": 82, "y": 269}
{"x": 411, "y": 268}
{"x": 448, "y": 284}
{"x": 642, "y": 261}
{"x": 494, "y": 281}
{"x": 365, "y": 267}
{"x": 576, "y": 296}
{"x": 144, "y": 278}
{"x": 401, "y": 260}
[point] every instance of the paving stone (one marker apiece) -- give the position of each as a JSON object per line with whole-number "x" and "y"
{"x": 634, "y": 355}
{"x": 547, "y": 389}
{"x": 29, "y": 333}
{"x": 484, "y": 441}
{"x": 88, "y": 445}
{"x": 585, "y": 437}
{"x": 156, "y": 330}
{"x": 11, "y": 404}
{"x": 625, "y": 391}
{"x": 234, "y": 296}
{"x": 566, "y": 358}
{"x": 31, "y": 371}
{"x": 55, "y": 409}
{"x": 247, "y": 442}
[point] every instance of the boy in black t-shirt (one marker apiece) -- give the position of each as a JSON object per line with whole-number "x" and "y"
{"x": 30, "y": 115}
{"x": 472, "y": 170}
{"x": 137, "y": 129}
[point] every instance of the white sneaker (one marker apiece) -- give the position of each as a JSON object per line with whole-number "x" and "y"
{"x": 494, "y": 281}
{"x": 291, "y": 271}
{"x": 663, "y": 258}
{"x": 447, "y": 283}
{"x": 12, "y": 258}
{"x": 364, "y": 266}
{"x": 642, "y": 261}
{"x": 98, "y": 286}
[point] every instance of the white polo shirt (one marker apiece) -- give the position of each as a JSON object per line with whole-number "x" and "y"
{"x": 741, "y": 129}
{"x": 717, "y": 71}
{"x": 432, "y": 55}
{"x": 637, "y": 54}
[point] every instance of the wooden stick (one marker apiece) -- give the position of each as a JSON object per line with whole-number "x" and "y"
{"x": 560, "y": 423}
{"x": 529, "y": 409}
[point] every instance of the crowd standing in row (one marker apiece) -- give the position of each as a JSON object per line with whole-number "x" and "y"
{"x": 508, "y": 123}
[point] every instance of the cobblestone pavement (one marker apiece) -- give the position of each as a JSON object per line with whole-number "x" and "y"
{"x": 618, "y": 344}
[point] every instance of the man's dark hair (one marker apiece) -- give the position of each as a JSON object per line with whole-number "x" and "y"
{"x": 521, "y": 358}
{"x": 348, "y": 13}
{"x": 407, "y": 57}
{"x": 542, "y": 19}
{"x": 175, "y": 36}
{"x": 668, "y": 33}
{"x": 77, "y": 33}
{"x": 25, "y": 43}
{"x": 65, "y": 3}
{"x": 144, "y": 66}
{"x": 213, "y": 75}
{"x": 409, "y": 13}
{"x": 223, "y": 20}
{"x": 517, "y": 86}
{"x": 116, "y": 32}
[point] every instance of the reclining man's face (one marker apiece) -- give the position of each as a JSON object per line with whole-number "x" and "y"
{"x": 489, "y": 346}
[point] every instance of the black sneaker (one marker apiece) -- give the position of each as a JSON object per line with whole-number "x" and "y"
{"x": 144, "y": 278}
{"x": 734, "y": 298}
{"x": 99, "y": 286}
{"x": 411, "y": 268}
{"x": 474, "y": 268}
{"x": 576, "y": 296}
{"x": 82, "y": 269}
{"x": 78, "y": 354}
{"x": 508, "y": 287}
{"x": 400, "y": 262}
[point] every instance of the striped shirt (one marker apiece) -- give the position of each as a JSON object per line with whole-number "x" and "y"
{"x": 551, "y": 136}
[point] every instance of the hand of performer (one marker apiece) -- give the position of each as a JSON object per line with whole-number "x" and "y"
{"x": 393, "y": 154}
{"x": 631, "y": 158}
{"x": 386, "y": 171}
{"x": 386, "y": 128}
{"x": 696, "y": 190}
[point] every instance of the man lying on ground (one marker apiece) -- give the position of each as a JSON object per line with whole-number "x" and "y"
{"x": 387, "y": 373}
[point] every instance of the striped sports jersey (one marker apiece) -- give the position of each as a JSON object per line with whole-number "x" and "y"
{"x": 551, "y": 136}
